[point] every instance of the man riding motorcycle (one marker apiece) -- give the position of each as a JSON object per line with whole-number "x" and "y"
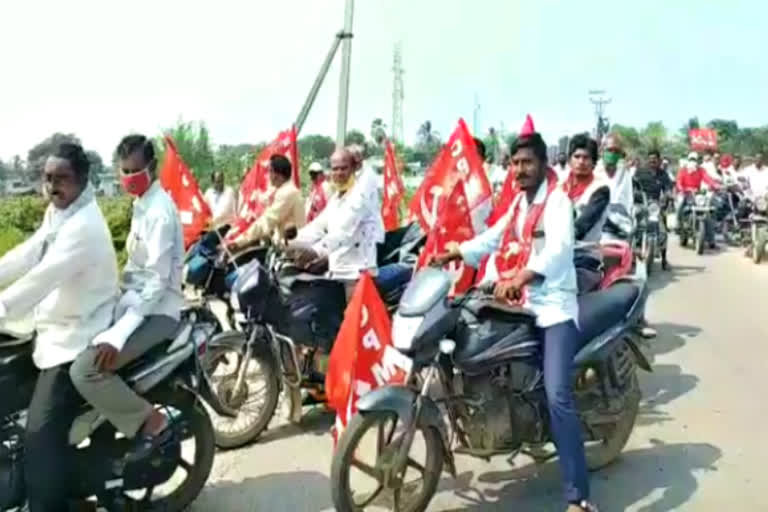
{"x": 284, "y": 210}
{"x": 656, "y": 184}
{"x": 344, "y": 236}
{"x": 689, "y": 181}
{"x": 66, "y": 273}
{"x": 590, "y": 196}
{"x": 531, "y": 251}
{"x": 149, "y": 309}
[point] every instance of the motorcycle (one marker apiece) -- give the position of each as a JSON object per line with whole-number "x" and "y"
{"x": 287, "y": 321}
{"x": 758, "y": 230}
{"x": 650, "y": 239}
{"x": 170, "y": 377}
{"x": 696, "y": 220}
{"x": 485, "y": 357}
{"x": 726, "y": 214}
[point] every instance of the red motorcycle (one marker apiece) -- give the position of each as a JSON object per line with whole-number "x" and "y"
{"x": 617, "y": 261}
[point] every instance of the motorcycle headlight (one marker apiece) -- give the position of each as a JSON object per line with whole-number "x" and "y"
{"x": 761, "y": 204}
{"x": 404, "y": 329}
{"x": 701, "y": 200}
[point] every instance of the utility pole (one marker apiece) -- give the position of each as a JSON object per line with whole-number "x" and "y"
{"x": 599, "y": 100}
{"x": 346, "y": 57}
{"x": 398, "y": 95}
{"x": 475, "y": 115}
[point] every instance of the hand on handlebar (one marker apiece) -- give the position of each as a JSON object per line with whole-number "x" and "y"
{"x": 508, "y": 289}
{"x": 452, "y": 253}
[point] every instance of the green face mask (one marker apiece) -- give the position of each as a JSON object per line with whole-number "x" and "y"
{"x": 611, "y": 157}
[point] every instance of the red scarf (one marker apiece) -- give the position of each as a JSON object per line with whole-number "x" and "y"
{"x": 317, "y": 201}
{"x": 515, "y": 251}
{"x": 574, "y": 188}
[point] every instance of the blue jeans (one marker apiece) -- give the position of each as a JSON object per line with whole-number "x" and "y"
{"x": 561, "y": 342}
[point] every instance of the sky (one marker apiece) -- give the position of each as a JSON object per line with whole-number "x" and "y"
{"x": 103, "y": 68}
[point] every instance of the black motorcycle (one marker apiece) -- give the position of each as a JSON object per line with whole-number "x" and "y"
{"x": 696, "y": 224}
{"x": 650, "y": 237}
{"x": 170, "y": 377}
{"x": 757, "y": 226}
{"x": 287, "y": 320}
{"x": 485, "y": 358}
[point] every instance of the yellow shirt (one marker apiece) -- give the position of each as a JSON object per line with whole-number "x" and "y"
{"x": 285, "y": 210}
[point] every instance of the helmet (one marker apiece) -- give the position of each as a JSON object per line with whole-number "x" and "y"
{"x": 315, "y": 167}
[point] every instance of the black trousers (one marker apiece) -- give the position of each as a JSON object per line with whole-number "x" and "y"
{"x": 48, "y": 460}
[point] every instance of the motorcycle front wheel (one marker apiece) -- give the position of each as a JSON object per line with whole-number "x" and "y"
{"x": 410, "y": 491}
{"x": 701, "y": 236}
{"x": 759, "y": 240}
{"x": 256, "y": 398}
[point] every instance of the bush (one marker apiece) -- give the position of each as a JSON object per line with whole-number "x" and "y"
{"x": 21, "y": 216}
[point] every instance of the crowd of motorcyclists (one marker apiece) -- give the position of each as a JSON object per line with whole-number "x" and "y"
{"x": 91, "y": 321}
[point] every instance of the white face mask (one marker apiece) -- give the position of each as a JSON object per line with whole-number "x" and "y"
{"x": 692, "y": 165}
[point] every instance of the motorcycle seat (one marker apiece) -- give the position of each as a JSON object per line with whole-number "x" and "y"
{"x": 603, "y": 309}
{"x": 16, "y": 359}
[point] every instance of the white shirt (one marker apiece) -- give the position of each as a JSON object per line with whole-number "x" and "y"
{"x": 348, "y": 229}
{"x": 620, "y": 184}
{"x": 66, "y": 273}
{"x": 554, "y": 299}
{"x": 155, "y": 255}
{"x": 562, "y": 172}
{"x": 758, "y": 181}
{"x": 711, "y": 169}
{"x": 223, "y": 205}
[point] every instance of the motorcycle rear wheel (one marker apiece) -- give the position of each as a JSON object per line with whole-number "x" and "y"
{"x": 611, "y": 446}
{"x": 197, "y": 425}
{"x": 345, "y": 457}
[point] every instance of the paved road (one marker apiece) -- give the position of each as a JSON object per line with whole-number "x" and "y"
{"x": 698, "y": 446}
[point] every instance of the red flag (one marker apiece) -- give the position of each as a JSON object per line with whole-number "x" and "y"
{"x": 362, "y": 357}
{"x": 457, "y": 160}
{"x": 703, "y": 139}
{"x": 528, "y": 129}
{"x": 317, "y": 199}
{"x": 253, "y": 189}
{"x": 454, "y": 224}
{"x": 180, "y": 183}
{"x": 510, "y": 188}
{"x": 394, "y": 190}
{"x": 508, "y": 192}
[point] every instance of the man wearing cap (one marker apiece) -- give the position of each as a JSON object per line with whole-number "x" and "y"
{"x": 319, "y": 193}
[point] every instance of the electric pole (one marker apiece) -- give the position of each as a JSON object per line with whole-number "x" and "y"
{"x": 346, "y": 58}
{"x": 475, "y": 115}
{"x": 599, "y": 100}
{"x": 398, "y": 95}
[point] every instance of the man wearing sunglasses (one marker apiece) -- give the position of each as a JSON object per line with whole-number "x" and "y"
{"x": 149, "y": 308}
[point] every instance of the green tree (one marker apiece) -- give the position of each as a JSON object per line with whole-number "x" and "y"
{"x": 41, "y": 151}
{"x": 428, "y": 142}
{"x": 97, "y": 169}
{"x": 233, "y": 160}
{"x": 317, "y": 148}
{"x": 355, "y": 137}
{"x": 194, "y": 145}
{"x": 378, "y": 131}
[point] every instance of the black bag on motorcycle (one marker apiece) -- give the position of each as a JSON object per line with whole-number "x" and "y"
{"x": 315, "y": 312}
{"x": 487, "y": 334}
